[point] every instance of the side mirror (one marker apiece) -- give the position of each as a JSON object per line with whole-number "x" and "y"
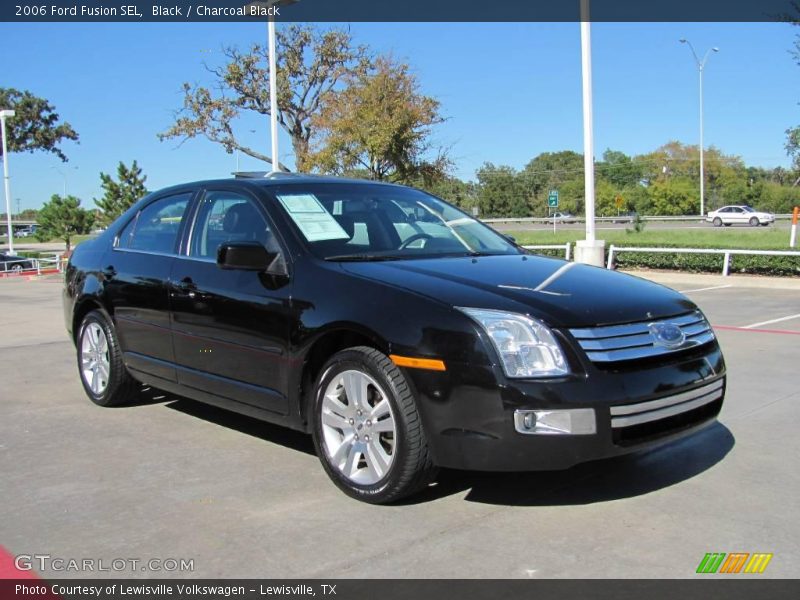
{"x": 510, "y": 238}
{"x": 244, "y": 256}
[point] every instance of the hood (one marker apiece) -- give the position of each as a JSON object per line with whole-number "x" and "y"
{"x": 563, "y": 294}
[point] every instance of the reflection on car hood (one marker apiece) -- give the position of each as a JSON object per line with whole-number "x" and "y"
{"x": 562, "y": 293}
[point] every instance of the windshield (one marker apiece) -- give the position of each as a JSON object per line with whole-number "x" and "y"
{"x": 383, "y": 222}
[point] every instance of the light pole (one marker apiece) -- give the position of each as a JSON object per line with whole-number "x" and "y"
{"x": 590, "y": 251}
{"x": 701, "y": 66}
{"x": 6, "y": 114}
{"x": 64, "y": 175}
{"x": 270, "y": 7}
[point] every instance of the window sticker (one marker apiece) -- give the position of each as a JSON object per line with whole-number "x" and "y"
{"x": 315, "y": 223}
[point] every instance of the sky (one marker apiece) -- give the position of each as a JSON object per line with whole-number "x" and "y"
{"x": 509, "y": 91}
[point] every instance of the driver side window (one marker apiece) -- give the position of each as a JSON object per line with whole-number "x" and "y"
{"x": 225, "y": 217}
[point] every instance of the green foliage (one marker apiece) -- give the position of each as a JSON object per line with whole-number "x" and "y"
{"x": 63, "y": 218}
{"x": 310, "y": 64}
{"x": 35, "y": 125}
{"x": 461, "y": 193}
{"x": 120, "y": 195}
{"x": 501, "y": 192}
{"x": 380, "y": 122}
{"x": 725, "y": 238}
{"x": 676, "y": 197}
{"x": 637, "y": 226}
{"x": 709, "y": 263}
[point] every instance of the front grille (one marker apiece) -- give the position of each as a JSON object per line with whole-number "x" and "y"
{"x": 616, "y": 343}
{"x": 632, "y": 423}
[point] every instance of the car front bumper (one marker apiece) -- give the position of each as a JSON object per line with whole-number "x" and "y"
{"x": 471, "y": 425}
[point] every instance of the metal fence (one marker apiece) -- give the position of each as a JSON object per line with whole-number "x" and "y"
{"x": 567, "y": 248}
{"x": 618, "y": 219}
{"x": 32, "y": 266}
{"x": 727, "y": 253}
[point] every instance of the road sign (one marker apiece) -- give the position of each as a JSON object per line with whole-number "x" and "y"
{"x": 619, "y": 200}
{"x": 552, "y": 199}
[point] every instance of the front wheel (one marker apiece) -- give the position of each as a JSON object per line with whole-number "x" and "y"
{"x": 367, "y": 429}
{"x": 103, "y": 374}
{"x": 754, "y": 222}
{"x": 717, "y": 222}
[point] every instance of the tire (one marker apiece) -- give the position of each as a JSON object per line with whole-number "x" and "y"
{"x": 396, "y": 461}
{"x": 754, "y": 222}
{"x": 98, "y": 353}
{"x": 717, "y": 222}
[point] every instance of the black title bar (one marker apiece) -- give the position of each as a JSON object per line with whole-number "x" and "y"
{"x": 397, "y": 10}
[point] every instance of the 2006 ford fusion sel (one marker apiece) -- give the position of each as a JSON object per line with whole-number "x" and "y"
{"x": 401, "y": 333}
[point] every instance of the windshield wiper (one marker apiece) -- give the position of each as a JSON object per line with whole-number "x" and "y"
{"x": 362, "y": 257}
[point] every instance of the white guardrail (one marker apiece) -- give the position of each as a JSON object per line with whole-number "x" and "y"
{"x": 21, "y": 265}
{"x": 618, "y": 219}
{"x": 567, "y": 248}
{"x": 612, "y": 250}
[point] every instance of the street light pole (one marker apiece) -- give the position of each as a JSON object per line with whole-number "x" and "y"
{"x": 591, "y": 250}
{"x": 701, "y": 65}
{"x": 64, "y": 175}
{"x": 270, "y": 7}
{"x": 273, "y": 94}
{"x": 5, "y": 114}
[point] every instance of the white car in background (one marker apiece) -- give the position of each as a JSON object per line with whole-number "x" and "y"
{"x": 739, "y": 215}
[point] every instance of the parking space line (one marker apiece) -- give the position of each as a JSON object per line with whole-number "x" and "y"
{"x": 751, "y": 330}
{"x": 705, "y": 289}
{"x": 771, "y": 321}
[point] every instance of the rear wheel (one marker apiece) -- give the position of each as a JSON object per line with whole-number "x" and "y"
{"x": 103, "y": 374}
{"x": 717, "y": 222}
{"x": 754, "y": 222}
{"x": 16, "y": 269}
{"x": 367, "y": 429}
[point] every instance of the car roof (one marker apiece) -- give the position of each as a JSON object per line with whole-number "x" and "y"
{"x": 262, "y": 180}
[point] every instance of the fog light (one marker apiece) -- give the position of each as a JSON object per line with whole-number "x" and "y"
{"x": 575, "y": 421}
{"x": 529, "y": 420}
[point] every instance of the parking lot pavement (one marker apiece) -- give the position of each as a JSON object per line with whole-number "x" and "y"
{"x": 173, "y": 479}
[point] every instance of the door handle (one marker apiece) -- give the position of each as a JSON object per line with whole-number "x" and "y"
{"x": 187, "y": 286}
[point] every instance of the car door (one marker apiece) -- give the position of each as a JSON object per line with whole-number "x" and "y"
{"x": 737, "y": 215}
{"x": 136, "y": 274}
{"x": 230, "y": 327}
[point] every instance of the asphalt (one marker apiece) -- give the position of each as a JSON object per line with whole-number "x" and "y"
{"x": 170, "y": 478}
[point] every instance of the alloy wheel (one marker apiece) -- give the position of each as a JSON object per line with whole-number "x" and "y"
{"x": 95, "y": 364}
{"x": 358, "y": 427}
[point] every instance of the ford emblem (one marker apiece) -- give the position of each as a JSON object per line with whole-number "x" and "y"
{"x": 668, "y": 335}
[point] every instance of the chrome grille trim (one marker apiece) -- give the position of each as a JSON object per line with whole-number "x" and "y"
{"x": 628, "y": 415}
{"x": 633, "y": 341}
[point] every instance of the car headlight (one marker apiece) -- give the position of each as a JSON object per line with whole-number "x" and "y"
{"x": 526, "y": 346}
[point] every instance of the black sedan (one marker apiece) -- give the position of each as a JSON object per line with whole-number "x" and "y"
{"x": 400, "y": 332}
{"x": 15, "y": 264}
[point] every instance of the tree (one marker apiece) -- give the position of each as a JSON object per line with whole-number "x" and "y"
{"x": 35, "y": 125}
{"x": 310, "y": 64}
{"x": 676, "y": 196}
{"x": 550, "y": 171}
{"x": 63, "y": 218}
{"x": 501, "y": 192}
{"x": 120, "y": 195}
{"x": 618, "y": 169}
{"x": 382, "y": 123}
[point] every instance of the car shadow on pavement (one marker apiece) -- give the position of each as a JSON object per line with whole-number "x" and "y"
{"x": 262, "y": 430}
{"x": 598, "y": 481}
